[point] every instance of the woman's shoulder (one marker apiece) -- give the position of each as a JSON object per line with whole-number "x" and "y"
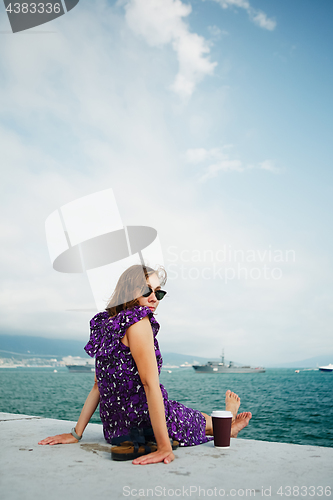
{"x": 106, "y": 332}
{"x": 134, "y": 314}
{"x": 118, "y": 324}
{"x": 99, "y": 318}
{"x": 123, "y": 318}
{"x": 128, "y": 317}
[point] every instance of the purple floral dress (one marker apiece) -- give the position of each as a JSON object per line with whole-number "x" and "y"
{"x": 123, "y": 402}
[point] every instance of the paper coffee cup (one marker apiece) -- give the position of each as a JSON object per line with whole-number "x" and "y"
{"x": 221, "y": 428}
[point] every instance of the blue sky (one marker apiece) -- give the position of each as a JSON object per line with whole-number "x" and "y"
{"x": 211, "y": 120}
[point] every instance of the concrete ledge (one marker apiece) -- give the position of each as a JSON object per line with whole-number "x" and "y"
{"x": 85, "y": 471}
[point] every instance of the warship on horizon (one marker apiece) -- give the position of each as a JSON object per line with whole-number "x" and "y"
{"x": 88, "y": 367}
{"x": 220, "y": 367}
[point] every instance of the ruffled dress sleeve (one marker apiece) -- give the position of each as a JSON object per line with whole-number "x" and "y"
{"x": 106, "y": 333}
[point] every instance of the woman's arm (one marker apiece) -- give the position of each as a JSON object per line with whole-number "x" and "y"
{"x": 87, "y": 411}
{"x": 141, "y": 343}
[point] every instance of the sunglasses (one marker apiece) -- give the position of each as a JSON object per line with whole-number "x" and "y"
{"x": 159, "y": 294}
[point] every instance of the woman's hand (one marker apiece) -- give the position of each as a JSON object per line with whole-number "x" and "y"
{"x": 87, "y": 411}
{"x": 165, "y": 456}
{"x": 141, "y": 343}
{"x": 59, "y": 439}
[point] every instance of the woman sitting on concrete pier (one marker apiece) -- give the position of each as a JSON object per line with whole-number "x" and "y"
{"x": 128, "y": 364}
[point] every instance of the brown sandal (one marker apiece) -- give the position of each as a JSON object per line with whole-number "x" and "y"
{"x": 138, "y": 443}
{"x": 130, "y": 450}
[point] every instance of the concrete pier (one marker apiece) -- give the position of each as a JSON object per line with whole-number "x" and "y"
{"x": 249, "y": 469}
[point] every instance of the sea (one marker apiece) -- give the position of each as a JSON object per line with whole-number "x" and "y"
{"x": 286, "y": 407}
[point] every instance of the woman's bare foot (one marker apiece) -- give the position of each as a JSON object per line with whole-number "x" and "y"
{"x": 232, "y": 403}
{"x": 240, "y": 422}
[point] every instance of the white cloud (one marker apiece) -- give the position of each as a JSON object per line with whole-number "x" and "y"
{"x": 222, "y": 166}
{"x": 216, "y": 33}
{"x": 234, "y": 3}
{"x": 269, "y": 165}
{"x": 160, "y": 22}
{"x": 257, "y": 16}
{"x": 261, "y": 19}
{"x": 199, "y": 155}
{"x": 87, "y": 109}
{"x": 223, "y": 162}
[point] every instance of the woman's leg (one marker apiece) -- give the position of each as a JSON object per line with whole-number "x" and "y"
{"x": 209, "y": 424}
{"x": 237, "y": 425}
{"x": 232, "y": 403}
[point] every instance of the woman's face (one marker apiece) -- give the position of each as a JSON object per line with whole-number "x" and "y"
{"x": 151, "y": 301}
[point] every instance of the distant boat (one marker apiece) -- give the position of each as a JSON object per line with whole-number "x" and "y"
{"x": 296, "y": 371}
{"x": 81, "y": 368}
{"x": 216, "y": 367}
{"x": 328, "y": 368}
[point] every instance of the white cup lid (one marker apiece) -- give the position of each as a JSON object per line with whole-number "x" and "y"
{"x": 221, "y": 414}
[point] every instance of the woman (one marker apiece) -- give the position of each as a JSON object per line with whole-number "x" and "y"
{"x": 128, "y": 364}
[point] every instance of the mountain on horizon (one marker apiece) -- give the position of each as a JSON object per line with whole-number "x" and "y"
{"x": 314, "y": 362}
{"x": 31, "y": 346}
{"x": 27, "y": 346}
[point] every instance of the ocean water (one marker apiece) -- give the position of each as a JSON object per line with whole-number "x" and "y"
{"x": 287, "y": 407}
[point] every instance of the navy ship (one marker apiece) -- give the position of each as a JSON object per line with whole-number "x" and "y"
{"x": 88, "y": 367}
{"x": 221, "y": 367}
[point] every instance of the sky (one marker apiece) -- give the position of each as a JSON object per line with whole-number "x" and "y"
{"x": 211, "y": 121}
